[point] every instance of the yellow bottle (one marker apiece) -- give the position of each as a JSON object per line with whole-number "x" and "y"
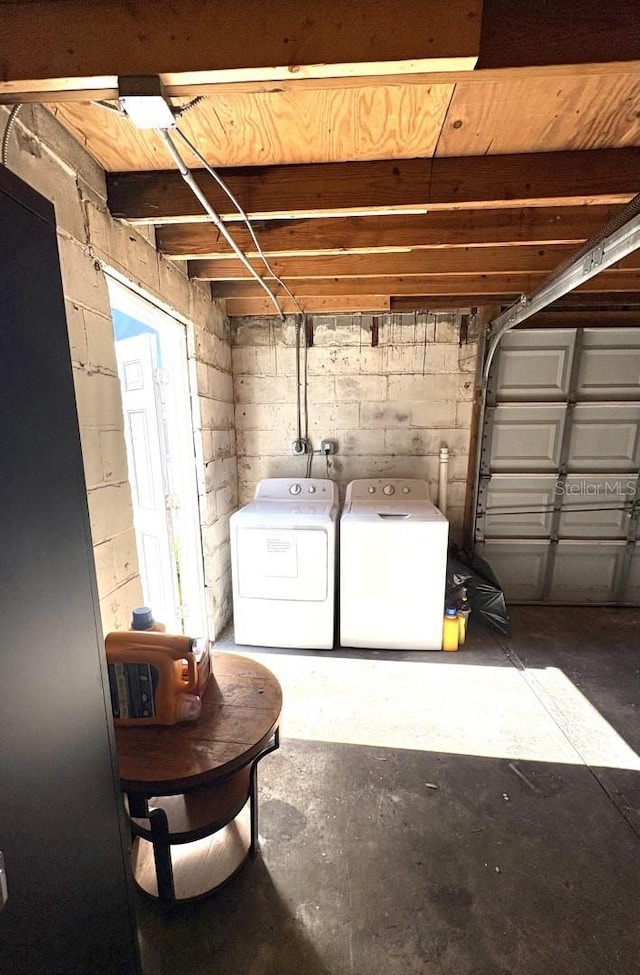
{"x": 450, "y": 629}
{"x": 147, "y": 680}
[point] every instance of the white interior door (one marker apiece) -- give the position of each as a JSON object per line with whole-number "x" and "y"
{"x": 151, "y": 350}
{"x": 137, "y": 368}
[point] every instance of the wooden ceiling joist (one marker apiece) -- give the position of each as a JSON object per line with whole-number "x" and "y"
{"x": 508, "y": 284}
{"x": 198, "y": 48}
{"x": 619, "y": 301}
{"x": 605, "y": 176}
{"x": 370, "y": 234}
{"x": 480, "y": 260}
{"x": 310, "y": 304}
{"x": 208, "y": 42}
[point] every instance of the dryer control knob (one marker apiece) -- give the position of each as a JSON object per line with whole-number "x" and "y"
{"x": 389, "y": 489}
{"x": 405, "y": 490}
{"x": 312, "y": 489}
{"x": 372, "y": 490}
{"x": 295, "y": 489}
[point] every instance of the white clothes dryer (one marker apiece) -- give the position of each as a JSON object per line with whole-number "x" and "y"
{"x": 283, "y": 562}
{"x": 393, "y": 559}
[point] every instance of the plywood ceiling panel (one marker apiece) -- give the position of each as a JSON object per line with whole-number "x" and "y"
{"x": 380, "y": 121}
{"x": 543, "y": 115}
{"x": 330, "y": 125}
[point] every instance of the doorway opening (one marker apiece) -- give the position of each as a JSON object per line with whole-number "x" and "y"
{"x": 151, "y": 352}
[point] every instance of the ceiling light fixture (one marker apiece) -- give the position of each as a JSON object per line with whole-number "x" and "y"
{"x": 143, "y": 100}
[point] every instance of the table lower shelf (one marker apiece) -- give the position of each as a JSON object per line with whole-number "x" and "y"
{"x": 199, "y": 867}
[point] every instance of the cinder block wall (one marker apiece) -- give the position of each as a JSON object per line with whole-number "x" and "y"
{"x": 46, "y": 157}
{"x": 390, "y": 407}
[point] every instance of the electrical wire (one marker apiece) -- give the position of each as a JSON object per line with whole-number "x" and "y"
{"x": 223, "y": 186}
{"x": 298, "y": 403}
{"x": 116, "y": 109}
{"x": 11, "y": 121}
{"x": 305, "y": 384}
{"x": 565, "y": 509}
{"x": 188, "y": 177}
{"x": 183, "y": 109}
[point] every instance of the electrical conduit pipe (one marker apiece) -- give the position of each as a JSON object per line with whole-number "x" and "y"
{"x": 443, "y": 479}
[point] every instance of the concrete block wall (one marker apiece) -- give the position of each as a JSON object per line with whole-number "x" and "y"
{"x": 52, "y": 162}
{"x": 390, "y": 407}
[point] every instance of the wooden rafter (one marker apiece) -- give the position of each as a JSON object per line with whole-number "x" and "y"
{"x": 606, "y": 176}
{"x": 480, "y": 260}
{"x": 195, "y": 41}
{"x": 508, "y": 284}
{"x": 371, "y": 234}
{"x": 319, "y": 304}
{"x": 199, "y": 47}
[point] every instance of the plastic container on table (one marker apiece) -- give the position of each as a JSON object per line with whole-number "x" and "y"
{"x": 142, "y": 620}
{"x": 148, "y": 680}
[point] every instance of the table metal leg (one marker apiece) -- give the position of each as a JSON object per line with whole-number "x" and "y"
{"x": 253, "y": 791}
{"x": 138, "y": 808}
{"x": 162, "y": 854}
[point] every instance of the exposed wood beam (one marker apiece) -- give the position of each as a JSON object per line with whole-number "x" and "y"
{"x": 446, "y": 284}
{"x": 251, "y": 52}
{"x": 570, "y": 33}
{"x": 585, "y": 319}
{"x": 311, "y": 304}
{"x": 105, "y": 87}
{"x": 263, "y": 307}
{"x": 605, "y": 176}
{"x": 339, "y": 235}
{"x": 602, "y": 300}
{"x": 612, "y": 303}
{"x": 467, "y": 260}
{"x": 438, "y": 302}
{"x": 252, "y": 40}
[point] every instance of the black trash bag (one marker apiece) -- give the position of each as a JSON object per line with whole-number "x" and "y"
{"x": 484, "y": 592}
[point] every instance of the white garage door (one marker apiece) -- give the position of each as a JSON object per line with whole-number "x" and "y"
{"x": 559, "y": 495}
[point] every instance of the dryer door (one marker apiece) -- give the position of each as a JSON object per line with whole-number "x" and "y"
{"x": 288, "y": 563}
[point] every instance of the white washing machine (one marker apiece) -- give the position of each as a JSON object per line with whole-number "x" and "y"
{"x": 283, "y": 561}
{"x": 393, "y": 559}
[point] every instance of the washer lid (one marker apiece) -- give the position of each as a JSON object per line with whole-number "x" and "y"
{"x": 393, "y": 512}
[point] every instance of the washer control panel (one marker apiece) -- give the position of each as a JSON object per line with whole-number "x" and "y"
{"x": 387, "y": 489}
{"x": 304, "y": 488}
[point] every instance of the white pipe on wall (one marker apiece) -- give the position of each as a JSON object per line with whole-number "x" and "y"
{"x": 443, "y": 479}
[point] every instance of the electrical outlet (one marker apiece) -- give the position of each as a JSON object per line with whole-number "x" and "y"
{"x": 328, "y": 447}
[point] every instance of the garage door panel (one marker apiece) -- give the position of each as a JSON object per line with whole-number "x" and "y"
{"x": 527, "y": 438}
{"x": 519, "y": 506}
{"x": 534, "y": 365}
{"x": 605, "y": 437}
{"x": 519, "y": 566}
{"x": 610, "y": 365}
{"x": 595, "y": 506}
{"x": 560, "y": 454}
{"x": 632, "y": 592}
{"x": 586, "y": 572}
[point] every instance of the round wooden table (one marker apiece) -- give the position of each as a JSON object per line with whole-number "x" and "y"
{"x": 192, "y": 788}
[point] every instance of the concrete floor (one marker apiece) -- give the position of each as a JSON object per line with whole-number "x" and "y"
{"x": 463, "y": 814}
